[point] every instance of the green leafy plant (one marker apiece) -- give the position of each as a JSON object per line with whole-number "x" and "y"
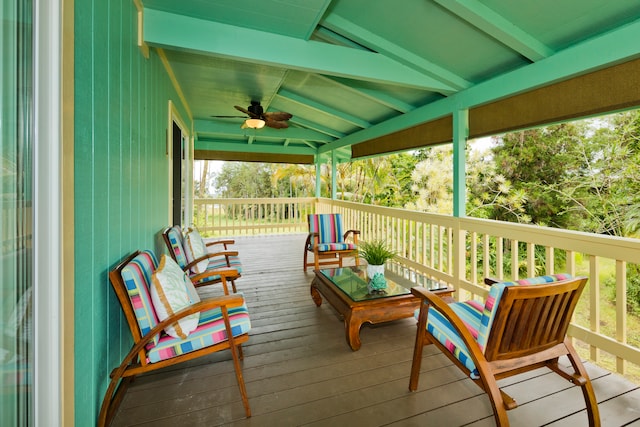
{"x": 376, "y": 252}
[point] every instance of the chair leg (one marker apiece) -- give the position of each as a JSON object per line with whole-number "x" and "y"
{"x": 587, "y": 388}
{"x": 305, "y": 259}
{"x": 240, "y": 379}
{"x": 112, "y": 398}
{"x": 236, "y": 361}
{"x": 418, "y": 347}
{"x": 495, "y": 396}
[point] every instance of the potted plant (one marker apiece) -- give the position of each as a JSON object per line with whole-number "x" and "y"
{"x": 376, "y": 253}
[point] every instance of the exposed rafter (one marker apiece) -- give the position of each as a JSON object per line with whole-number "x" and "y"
{"x": 324, "y": 109}
{"x": 317, "y": 127}
{"x": 212, "y": 127}
{"x": 376, "y": 96}
{"x": 384, "y": 46}
{"x": 163, "y": 29}
{"x": 211, "y": 144}
{"x": 482, "y": 17}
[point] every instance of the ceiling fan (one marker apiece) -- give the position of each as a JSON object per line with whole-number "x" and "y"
{"x": 257, "y": 118}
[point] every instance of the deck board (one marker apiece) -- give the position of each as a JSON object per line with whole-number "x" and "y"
{"x": 299, "y": 369}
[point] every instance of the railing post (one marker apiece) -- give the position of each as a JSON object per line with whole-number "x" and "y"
{"x": 459, "y": 258}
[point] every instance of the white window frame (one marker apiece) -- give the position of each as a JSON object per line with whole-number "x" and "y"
{"x": 47, "y": 247}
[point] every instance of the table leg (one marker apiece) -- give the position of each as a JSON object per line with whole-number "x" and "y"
{"x": 352, "y": 331}
{"x": 317, "y": 298}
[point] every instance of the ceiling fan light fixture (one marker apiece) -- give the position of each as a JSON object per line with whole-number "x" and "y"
{"x": 255, "y": 123}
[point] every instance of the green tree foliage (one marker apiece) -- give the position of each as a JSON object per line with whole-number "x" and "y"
{"x": 611, "y": 190}
{"x": 538, "y": 163}
{"x": 432, "y": 180}
{"x": 244, "y": 180}
{"x": 293, "y": 180}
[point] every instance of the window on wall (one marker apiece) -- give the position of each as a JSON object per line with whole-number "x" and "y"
{"x": 16, "y": 291}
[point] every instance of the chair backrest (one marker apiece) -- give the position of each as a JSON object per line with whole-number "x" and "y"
{"x": 328, "y": 227}
{"x": 174, "y": 241}
{"x": 131, "y": 280}
{"x": 531, "y": 317}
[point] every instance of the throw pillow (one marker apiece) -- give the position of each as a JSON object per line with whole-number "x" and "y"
{"x": 171, "y": 291}
{"x": 194, "y": 248}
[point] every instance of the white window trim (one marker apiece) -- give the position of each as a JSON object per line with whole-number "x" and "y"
{"x": 47, "y": 256}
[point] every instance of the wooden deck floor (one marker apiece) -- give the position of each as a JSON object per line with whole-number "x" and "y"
{"x": 299, "y": 370}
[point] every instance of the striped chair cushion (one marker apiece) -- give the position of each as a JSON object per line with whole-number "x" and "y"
{"x": 470, "y": 312}
{"x": 328, "y": 227}
{"x": 175, "y": 238}
{"x": 234, "y": 262}
{"x": 216, "y": 263}
{"x": 137, "y": 278}
{"x": 324, "y": 247}
{"x": 493, "y": 299}
{"x": 210, "y": 331}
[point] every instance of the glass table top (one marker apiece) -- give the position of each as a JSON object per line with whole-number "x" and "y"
{"x": 400, "y": 279}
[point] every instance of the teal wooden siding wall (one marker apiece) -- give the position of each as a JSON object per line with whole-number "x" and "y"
{"x": 121, "y": 180}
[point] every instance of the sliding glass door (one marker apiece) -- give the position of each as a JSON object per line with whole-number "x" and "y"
{"x": 16, "y": 171}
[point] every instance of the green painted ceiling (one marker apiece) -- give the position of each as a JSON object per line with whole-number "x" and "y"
{"x": 352, "y": 70}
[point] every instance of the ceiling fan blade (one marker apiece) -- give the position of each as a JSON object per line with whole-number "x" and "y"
{"x": 277, "y": 116}
{"x": 277, "y": 124}
{"x": 247, "y": 112}
{"x": 229, "y": 117}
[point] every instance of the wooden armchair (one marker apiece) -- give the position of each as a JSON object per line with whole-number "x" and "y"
{"x": 522, "y": 326}
{"x": 327, "y": 241}
{"x": 222, "y": 323}
{"x": 193, "y": 256}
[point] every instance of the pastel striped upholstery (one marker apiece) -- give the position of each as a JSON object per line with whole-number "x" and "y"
{"x": 175, "y": 238}
{"x": 210, "y": 331}
{"x": 477, "y": 317}
{"x": 223, "y": 324}
{"x": 175, "y": 241}
{"x": 137, "y": 277}
{"x": 440, "y": 328}
{"x": 328, "y": 241}
{"x": 328, "y": 227}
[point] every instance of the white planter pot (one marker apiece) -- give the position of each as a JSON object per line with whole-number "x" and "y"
{"x": 378, "y": 285}
{"x": 373, "y": 269}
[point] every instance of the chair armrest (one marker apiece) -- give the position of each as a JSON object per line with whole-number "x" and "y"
{"x": 353, "y": 231}
{"x": 210, "y": 255}
{"x": 491, "y": 281}
{"x": 224, "y": 242}
{"x": 310, "y": 237}
{"x": 226, "y": 274}
{"x": 233, "y": 300}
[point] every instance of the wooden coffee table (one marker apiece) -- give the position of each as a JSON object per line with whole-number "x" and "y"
{"x": 346, "y": 290}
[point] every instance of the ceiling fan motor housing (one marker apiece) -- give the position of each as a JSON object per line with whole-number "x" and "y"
{"x": 255, "y": 108}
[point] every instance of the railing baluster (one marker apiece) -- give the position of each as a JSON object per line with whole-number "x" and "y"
{"x": 621, "y": 311}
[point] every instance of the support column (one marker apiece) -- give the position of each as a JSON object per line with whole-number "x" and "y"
{"x": 334, "y": 192}
{"x": 460, "y": 136}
